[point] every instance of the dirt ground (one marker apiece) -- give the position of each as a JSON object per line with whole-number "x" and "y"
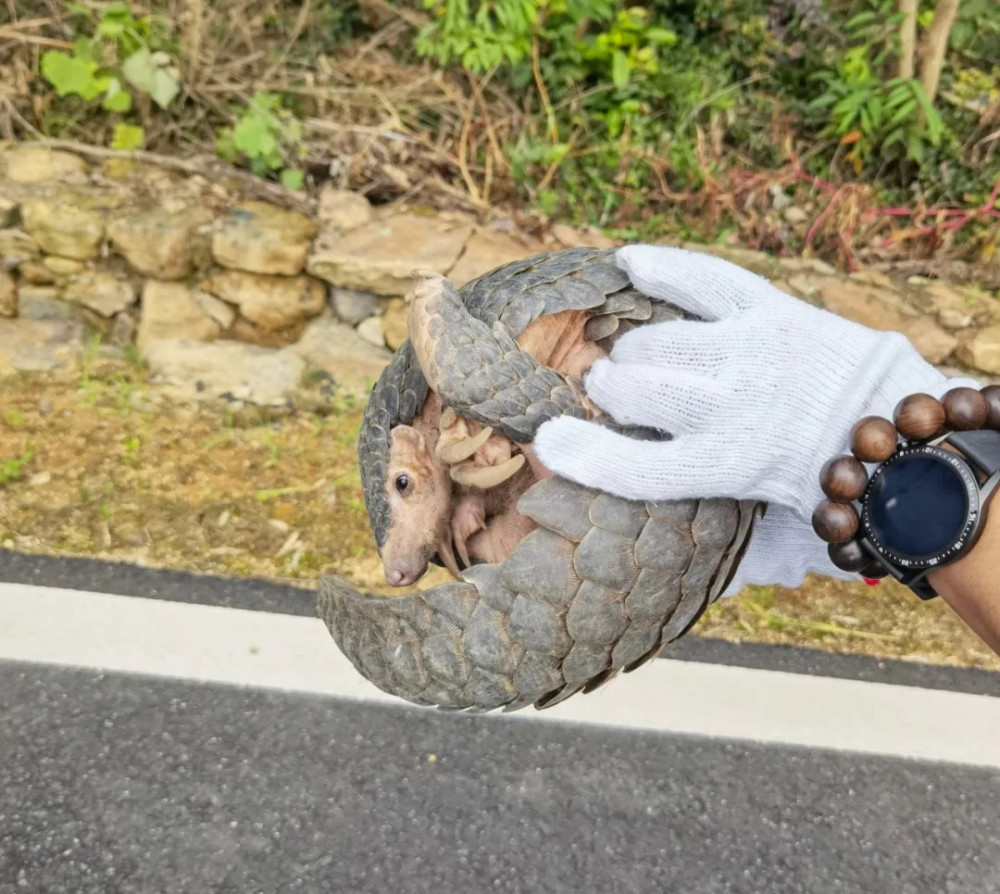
{"x": 96, "y": 463}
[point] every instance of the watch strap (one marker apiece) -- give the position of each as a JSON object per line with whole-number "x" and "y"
{"x": 982, "y": 446}
{"x": 923, "y": 589}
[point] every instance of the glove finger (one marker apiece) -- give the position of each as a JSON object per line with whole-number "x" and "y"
{"x": 699, "y": 283}
{"x": 670, "y": 400}
{"x": 680, "y": 344}
{"x": 591, "y": 455}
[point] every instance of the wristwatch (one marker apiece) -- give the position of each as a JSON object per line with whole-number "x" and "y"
{"x": 925, "y": 506}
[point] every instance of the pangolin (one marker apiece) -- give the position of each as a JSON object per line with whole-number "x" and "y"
{"x": 558, "y": 587}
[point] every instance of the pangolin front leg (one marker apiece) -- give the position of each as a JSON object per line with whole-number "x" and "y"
{"x": 467, "y": 519}
{"x": 478, "y": 460}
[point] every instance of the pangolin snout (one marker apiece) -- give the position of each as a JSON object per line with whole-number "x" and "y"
{"x": 404, "y": 573}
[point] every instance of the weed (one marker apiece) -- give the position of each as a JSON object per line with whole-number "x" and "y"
{"x": 873, "y": 116}
{"x": 12, "y": 469}
{"x": 131, "y": 445}
{"x": 226, "y": 437}
{"x": 273, "y": 451}
{"x": 269, "y": 137}
{"x": 120, "y": 58}
{"x": 14, "y": 420}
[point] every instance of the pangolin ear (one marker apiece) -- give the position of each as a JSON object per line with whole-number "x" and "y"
{"x": 409, "y": 438}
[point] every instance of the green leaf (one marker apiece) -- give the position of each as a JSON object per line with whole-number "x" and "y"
{"x": 117, "y": 99}
{"x": 860, "y": 19}
{"x": 128, "y": 137}
{"x": 827, "y": 99}
{"x": 145, "y": 73}
{"x": 931, "y": 117}
{"x": 850, "y": 104}
{"x": 935, "y": 128}
{"x": 70, "y": 75}
{"x": 140, "y": 70}
{"x": 293, "y": 179}
{"x": 905, "y": 111}
{"x": 660, "y": 35}
{"x": 898, "y": 96}
{"x": 165, "y": 89}
{"x": 119, "y": 102}
{"x": 866, "y": 120}
{"x": 875, "y": 109}
{"x": 111, "y": 28}
{"x": 619, "y": 69}
{"x": 895, "y": 137}
{"x": 86, "y": 48}
{"x": 253, "y": 136}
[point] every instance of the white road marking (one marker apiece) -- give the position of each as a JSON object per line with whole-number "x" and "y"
{"x": 296, "y": 654}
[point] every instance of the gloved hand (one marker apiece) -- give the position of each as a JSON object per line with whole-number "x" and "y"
{"x": 757, "y": 398}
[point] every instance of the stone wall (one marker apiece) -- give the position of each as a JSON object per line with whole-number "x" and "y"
{"x": 227, "y": 296}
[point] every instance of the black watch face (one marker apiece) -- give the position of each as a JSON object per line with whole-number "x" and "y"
{"x": 920, "y": 506}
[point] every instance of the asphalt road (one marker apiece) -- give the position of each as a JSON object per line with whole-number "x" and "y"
{"x": 188, "y": 778}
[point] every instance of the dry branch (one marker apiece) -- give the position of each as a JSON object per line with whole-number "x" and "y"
{"x": 20, "y": 37}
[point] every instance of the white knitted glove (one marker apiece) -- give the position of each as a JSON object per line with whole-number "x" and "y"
{"x": 758, "y": 397}
{"x": 783, "y": 550}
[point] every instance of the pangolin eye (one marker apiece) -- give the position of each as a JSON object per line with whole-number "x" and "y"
{"x": 402, "y": 483}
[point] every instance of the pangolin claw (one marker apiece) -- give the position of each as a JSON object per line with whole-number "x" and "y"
{"x": 485, "y": 477}
{"x": 446, "y": 553}
{"x": 462, "y": 450}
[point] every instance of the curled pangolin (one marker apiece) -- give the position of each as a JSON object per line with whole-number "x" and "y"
{"x": 560, "y": 587}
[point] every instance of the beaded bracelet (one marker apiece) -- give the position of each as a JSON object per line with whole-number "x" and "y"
{"x": 917, "y": 418}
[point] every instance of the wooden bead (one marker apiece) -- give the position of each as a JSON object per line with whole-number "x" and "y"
{"x": 919, "y": 417}
{"x": 873, "y": 439}
{"x": 835, "y": 522}
{"x": 849, "y": 556}
{"x": 843, "y": 479}
{"x": 965, "y": 409}
{"x": 992, "y": 395}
